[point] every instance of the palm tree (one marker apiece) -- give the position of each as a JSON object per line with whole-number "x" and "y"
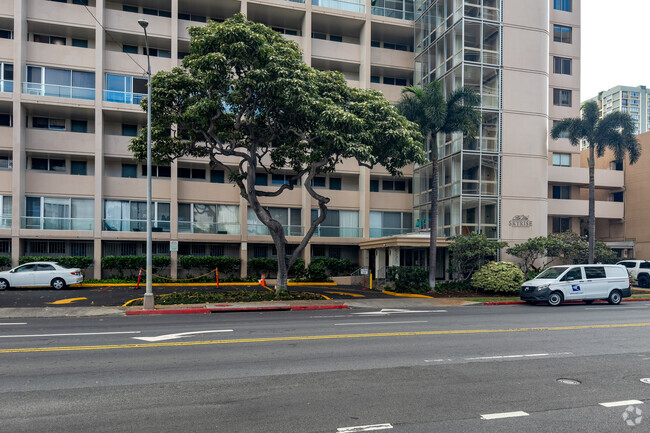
{"x": 614, "y": 131}
{"x": 435, "y": 114}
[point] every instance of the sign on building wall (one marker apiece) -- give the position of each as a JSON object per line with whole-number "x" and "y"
{"x": 520, "y": 221}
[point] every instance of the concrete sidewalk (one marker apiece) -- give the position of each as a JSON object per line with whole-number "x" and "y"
{"x": 12, "y": 313}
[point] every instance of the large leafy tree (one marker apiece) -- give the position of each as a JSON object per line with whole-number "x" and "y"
{"x": 614, "y": 131}
{"x": 458, "y": 112}
{"x": 245, "y": 100}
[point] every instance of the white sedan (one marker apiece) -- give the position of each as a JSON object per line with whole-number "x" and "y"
{"x": 40, "y": 274}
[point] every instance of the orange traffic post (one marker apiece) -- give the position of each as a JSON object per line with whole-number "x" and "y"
{"x": 217, "y": 274}
{"x": 137, "y": 285}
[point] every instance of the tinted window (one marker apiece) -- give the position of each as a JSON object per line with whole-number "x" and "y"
{"x": 644, "y": 265}
{"x": 42, "y": 267}
{"x": 627, "y": 264}
{"x": 595, "y": 272}
{"x": 573, "y": 274}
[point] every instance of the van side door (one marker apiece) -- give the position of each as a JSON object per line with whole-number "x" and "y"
{"x": 574, "y": 284}
{"x": 597, "y": 284}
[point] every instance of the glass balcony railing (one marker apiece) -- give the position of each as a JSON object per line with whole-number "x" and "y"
{"x": 113, "y": 225}
{"x": 209, "y": 228}
{"x": 5, "y": 222}
{"x": 392, "y": 13}
{"x": 58, "y": 91}
{"x": 381, "y": 232}
{"x": 262, "y": 230}
{"x": 6, "y": 86}
{"x": 296, "y": 1}
{"x": 339, "y": 232}
{"x": 55, "y": 223}
{"x": 344, "y": 5}
{"x": 123, "y": 97}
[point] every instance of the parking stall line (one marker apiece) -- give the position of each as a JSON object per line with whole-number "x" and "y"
{"x": 490, "y": 416}
{"x": 621, "y": 403}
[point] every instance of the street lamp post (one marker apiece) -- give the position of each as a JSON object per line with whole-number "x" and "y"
{"x": 148, "y": 296}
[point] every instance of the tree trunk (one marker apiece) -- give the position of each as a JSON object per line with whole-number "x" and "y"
{"x": 592, "y": 205}
{"x": 433, "y": 224}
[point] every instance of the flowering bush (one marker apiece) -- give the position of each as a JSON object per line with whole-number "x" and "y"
{"x": 498, "y": 277}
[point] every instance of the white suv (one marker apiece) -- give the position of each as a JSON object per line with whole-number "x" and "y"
{"x": 639, "y": 271}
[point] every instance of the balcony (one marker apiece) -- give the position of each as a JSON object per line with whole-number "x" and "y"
{"x": 73, "y": 143}
{"x": 61, "y": 55}
{"x": 48, "y": 183}
{"x": 381, "y": 232}
{"x": 208, "y": 228}
{"x": 6, "y": 86}
{"x": 54, "y": 223}
{"x": 343, "y": 5}
{"x": 338, "y": 232}
{"x": 392, "y": 13}
{"x": 262, "y": 230}
{"x": 58, "y": 91}
{"x": 336, "y": 51}
{"x": 580, "y": 176}
{"x": 122, "y": 225}
{"x": 580, "y": 208}
{"x": 391, "y": 92}
{"x": 123, "y": 97}
{"x": 127, "y": 22}
{"x": 5, "y": 222}
{"x": 124, "y": 64}
{"x": 392, "y": 58}
{"x": 70, "y": 15}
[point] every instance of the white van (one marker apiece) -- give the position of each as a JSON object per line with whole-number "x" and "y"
{"x": 578, "y": 282}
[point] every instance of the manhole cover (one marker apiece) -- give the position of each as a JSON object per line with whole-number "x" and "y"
{"x": 646, "y": 380}
{"x": 569, "y": 381}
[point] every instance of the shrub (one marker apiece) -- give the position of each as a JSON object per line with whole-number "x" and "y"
{"x": 336, "y": 267}
{"x": 133, "y": 263}
{"x": 317, "y": 272}
{"x": 81, "y": 262}
{"x": 453, "y": 286}
{"x": 498, "y": 277}
{"x": 408, "y": 279}
{"x": 5, "y": 261}
{"x": 468, "y": 253}
{"x": 262, "y": 265}
{"x": 226, "y": 265}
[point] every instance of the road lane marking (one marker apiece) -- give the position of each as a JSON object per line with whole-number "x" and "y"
{"x": 387, "y": 311}
{"x": 621, "y": 403}
{"x": 354, "y": 295}
{"x": 379, "y": 323}
{"x": 321, "y": 337}
{"x": 65, "y": 301}
{"x": 530, "y": 355}
{"x": 17, "y": 323}
{"x": 179, "y": 335}
{"x": 69, "y": 335}
{"x": 364, "y": 428}
{"x": 503, "y": 415}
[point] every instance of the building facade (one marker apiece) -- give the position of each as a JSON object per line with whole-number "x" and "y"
{"x": 627, "y": 99}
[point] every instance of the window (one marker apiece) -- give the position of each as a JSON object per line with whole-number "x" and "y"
{"x": 6, "y": 77}
{"x": 6, "y": 34}
{"x": 562, "y": 34}
{"x": 62, "y": 83}
{"x": 374, "y": 185}
{"x": 561, "y": 65}
{"x": 375, "y": 44}
{"x": 387, "y": 185}
{"x": 318, "y": 182}
{"x": 191, "y": 173}
{"x": 573, "y": 274}
{"x": 6, "y": 119}
{"x": 79, "y": 126}
{"x": 617, "y": 197}
{"x": 261, "y": 179}
{"x": 124, "y": 89}
{"x": 58, "y": 213}
{"x": 562, "y": 97}
{"x": 157, "y": 171}
{"x": 335, "y": 183}
{"x": 561, "y": 192}
{"x": 389, "y": 80}
{"x": 127, "y": 8}
{"x": 335, "y": 38}
{"x": 322, "y": 36}
{"x": 561, "y": 225}
{"x": 79, "y": 167}
{"x": 374, "y": 79}
{"x": 191, "y": 17}
{"x": 217, "y": 176}
{"x": 129, "y": 130}
{"x": 5, "y": 161}
{"x": 48, "y": 164}
{"x": 592, "y": 272}
{"x": 562, "y": 5}
{"x": 54, "y": 40}
{"x": 129, "y": 170}
{"x": 562, "y": 159}
{"x": 46, "y": 123}
{"x": 644, "y": 265}
{"x": 131, "y": 216}
{"x": 131, "y": 49}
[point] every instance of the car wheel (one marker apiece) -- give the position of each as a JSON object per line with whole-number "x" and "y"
{"x": 58, "y": 283}
{"x": 589, "y": 301}
{"x": 555, "y": 299}
{"x": 644, "y": 281}
{"x": 4, "y": 284}
{"x": 614, "y": 297}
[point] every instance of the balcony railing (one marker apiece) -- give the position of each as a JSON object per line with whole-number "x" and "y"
{"x": 381, "y": 232}
{"x": 58, "y": 91}
{"x": 55, "y": 223}
{"x": 344, "y": 5}
{"x": 339, "y": 232}
{"x": 209, "y": 228}
{"x": 262, "y": 230}
{"x": 392, "y": 13}
{"x": 296, "y": 1}
{"x": 6, "y": 86}
{"x": 113, "y": 225}
{"x": 5, "y": 222}
{"x": 123, "y": 97}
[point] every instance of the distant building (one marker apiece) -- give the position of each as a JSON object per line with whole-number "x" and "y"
{"x": 631, "y": 100}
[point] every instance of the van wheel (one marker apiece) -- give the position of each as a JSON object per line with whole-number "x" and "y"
{"x": 614, "y": 297}
{"x": 589, "y": 301}
{"x": 644, "y": 281}
{"x": 555, "y": 299}
{"x": 58, "y": 283}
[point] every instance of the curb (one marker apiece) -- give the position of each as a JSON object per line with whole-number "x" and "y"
{"x": 208, "y": 310}
{"x": 567, "y": 302}
{"x": 82, "y": 285}
{"x": 406, "y": 295}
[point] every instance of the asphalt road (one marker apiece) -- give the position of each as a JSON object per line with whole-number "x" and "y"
{"x": 442, "y": 370}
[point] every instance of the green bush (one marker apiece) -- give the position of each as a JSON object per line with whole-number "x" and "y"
{"x": 453, "y": 286}
{"x": 262, "y": 265}
{"x": 226, "y": 265}
{"x": 81, "y": 262}
{"x": 336, "y": 267}
{"x": 498, "y": 277}
{"x": 408, "y": 279}
{"x": 133, "y": 263}
{"x": 5, "y": 261}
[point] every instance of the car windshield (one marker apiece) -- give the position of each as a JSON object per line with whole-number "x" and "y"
{"x": 551, "y": 273}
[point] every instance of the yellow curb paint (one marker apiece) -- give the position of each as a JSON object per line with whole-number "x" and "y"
{"x": 406, "y": 295}
{"x": 65, "y": 301}
{"x": 311, "y": 284}
{"x": 131, "y": 301}
{"x": 316, "y": 337}
{"x": 354, "y": 295}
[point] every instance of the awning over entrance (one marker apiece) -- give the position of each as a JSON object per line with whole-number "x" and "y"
{"x": 415, "y": 240}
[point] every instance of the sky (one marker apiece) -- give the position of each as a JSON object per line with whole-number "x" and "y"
{"x": 614, "y": 36}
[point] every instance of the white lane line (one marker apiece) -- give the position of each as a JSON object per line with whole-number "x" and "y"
{"x": 621, "y": 403}
{"x": 364, "y": 428}
{"x": 503, "y": 415}
{"x": 180, "y": 335}
{"x": 388, "y": 311}
{"x": 438, "y": 360}
{"x": 379, "y": 323}
{"x": 529, "y": 355}
{"x": 18, "y": 323}
{"x": 69, "y": 335}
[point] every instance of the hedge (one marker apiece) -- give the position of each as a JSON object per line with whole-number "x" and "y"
{"x": 133, "y": 263}
{"x": 408, "y": 279}
{"x": 5, "y": 261}
{"x": 498, "y": 277}
{"x": 81, "y": 262}
{"x": 226, "y": 265}
{"x": 267, "y": 266}
{"x": 336, "y": 267}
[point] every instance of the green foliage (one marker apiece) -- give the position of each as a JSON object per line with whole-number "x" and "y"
{"x": 571, "y": 248}
{"x": 498, "y": 277}
{"x": 453, "y": 286}
{"x": 336, "y": 267}
{"x": 239, "y": 296}
{"x": 226, "y": 265}
{"x": 317, "y": 272}
{"x": 529, "y": 252}
{"x": 468, "y": 253}
{"x": 262, "y": 265}
{"x": 5, "y": 261}
{"x": 132, "y": 264}
{"x": 81, "y": 262}
{"x": 408, "y": 279}
{"x": 532, "y": 273}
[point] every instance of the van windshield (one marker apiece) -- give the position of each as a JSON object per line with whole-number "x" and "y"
{"x": 551, "y": 273}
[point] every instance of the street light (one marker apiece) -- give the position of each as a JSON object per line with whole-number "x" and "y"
{"x": 148, "y": 295}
